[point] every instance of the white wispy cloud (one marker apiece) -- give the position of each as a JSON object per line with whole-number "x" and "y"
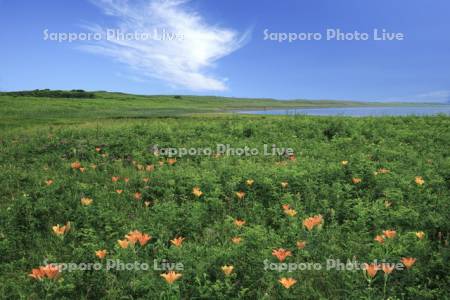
{"x": 441, "y": 96}
{"x": 435, "y": 96}
{"x": 182, "y": 63}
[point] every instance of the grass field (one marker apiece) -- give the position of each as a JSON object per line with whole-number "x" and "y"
{"x": 358, "y": 189}
{"x": 44, "y": 111}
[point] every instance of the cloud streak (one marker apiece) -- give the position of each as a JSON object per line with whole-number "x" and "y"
{"x": 182, "y": 63}
{"x": 441, "y": 96}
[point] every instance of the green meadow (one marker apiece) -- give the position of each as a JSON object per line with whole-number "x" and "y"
{"x": 373, "y": 192}
{"x": 37, "y": 110}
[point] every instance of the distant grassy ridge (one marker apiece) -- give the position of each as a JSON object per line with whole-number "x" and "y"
{"x": 28, "y": 108}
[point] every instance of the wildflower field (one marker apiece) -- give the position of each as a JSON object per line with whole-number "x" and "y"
{"x": 86, "y": 193}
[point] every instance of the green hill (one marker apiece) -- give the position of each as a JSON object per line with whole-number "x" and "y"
{"x": 19, "y": 109}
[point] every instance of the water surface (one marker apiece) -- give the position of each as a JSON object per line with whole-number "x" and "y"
{"x": 357, "y": 111}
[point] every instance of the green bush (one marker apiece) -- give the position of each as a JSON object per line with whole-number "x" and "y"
{"x": 51, "y": 94}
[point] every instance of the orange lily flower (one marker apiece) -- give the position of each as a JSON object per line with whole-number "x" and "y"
{"x": 287, "y": 282}
{"x": 86, "y": 201}
{"x": 301, "y": 244}
{"x": 419, "y": 180}
{"x": 356, "y": 180}
{"x": 390, "y": 234}
{"x": 144, "y": 238}
{"x": 286, "y": 206}
{"x": 408, "y": 262}
{"x": 240, "y": 195}
{"x": 387, "y": 268}
{"x": 50, "y": 271}
{"x": 236, "y": 240}
{"x": 171, "y": 161}
{"x": 146, "y": 179}
{"x": 290, "y": 212}
{"x": 227, "y": 270}
{"x": 150, "y": 168}
{"x": 119, "y": 191}
{"x": 137, "y": 236}
{"x": 171, "y": 276}
{"x": 318, "y": 219}
{"x": 98, "y": 149}
{"x": 101, "y": 253}
{"x": 137, "y": 196}
{"x": 133, "y": 236}
{"x": 311, "y": 222}
{"x": 197, "y": 192}
{"x": 115, "y": 178}
{"x": 249, "y": 182}
{"x": 292, "y": 157}
{"x": 49, "y": 182}
{"x": 75, "y": 165}
{"x": 379, "y": 239}
{"x": 281, "y": 254}
{"x": 420, "y": 235}
{"x": 126, "y": 179}
{"x": 37, "y": 273}
{"x": 177, "y": 242}
{"x": 61, "y": 230}
{"x": 239, "y": 223}
{"x": 371, "y": 269}
{"x": 123, "y": 243}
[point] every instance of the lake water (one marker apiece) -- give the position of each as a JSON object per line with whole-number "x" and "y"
{"x": 357, "y": 111}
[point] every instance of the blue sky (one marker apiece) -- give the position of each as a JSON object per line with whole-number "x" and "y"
{"x": 223, "y": 51}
